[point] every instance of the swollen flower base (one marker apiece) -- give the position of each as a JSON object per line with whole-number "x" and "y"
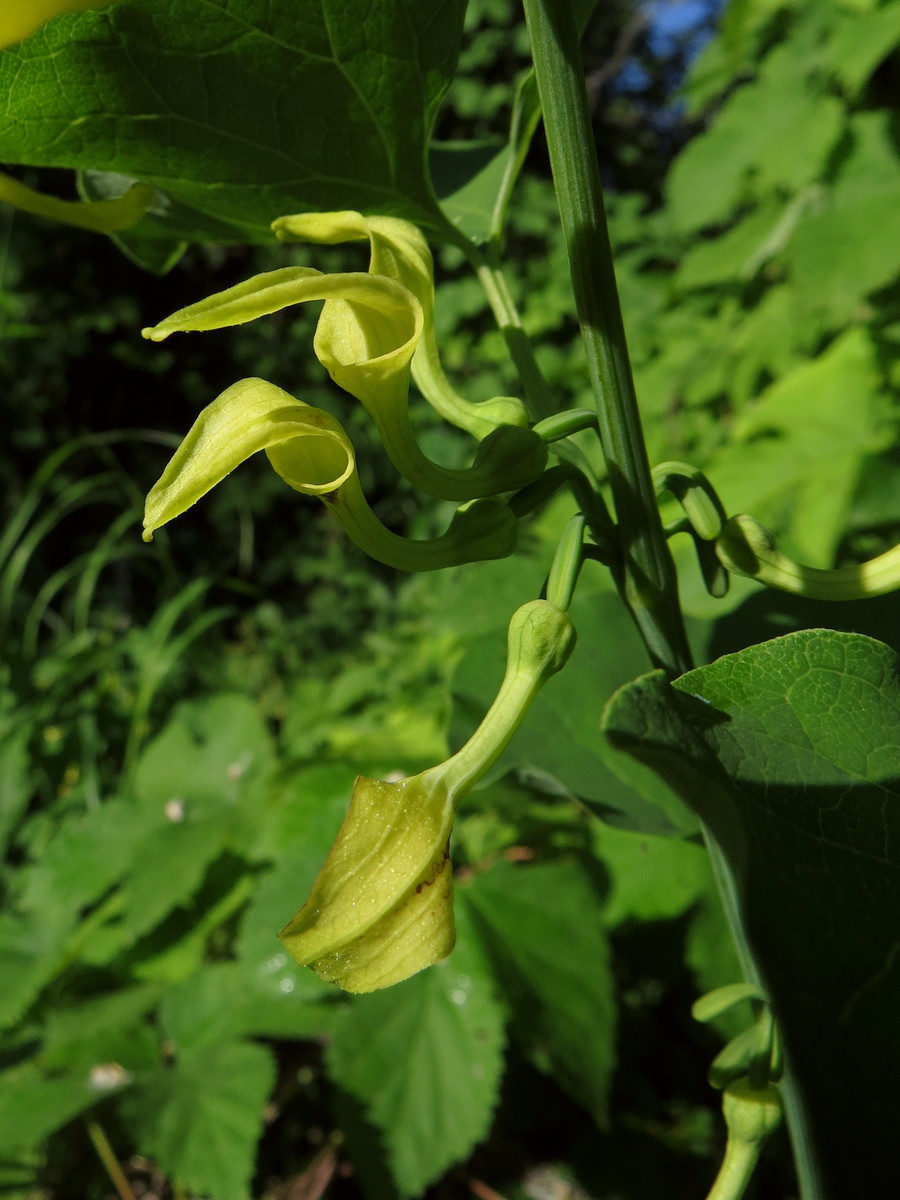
{"x": 381, "y": 908}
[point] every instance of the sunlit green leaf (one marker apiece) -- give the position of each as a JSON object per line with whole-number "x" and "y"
{"x": 859, "y": 222}
{"x": 425, "y": 1060}
{"x": 796, "y": 474}
{"x": 200, "y": 1117}
{"x": 22, "y": 17}
{"x": 776, "y": 130}
{"x": 652, "y": 878}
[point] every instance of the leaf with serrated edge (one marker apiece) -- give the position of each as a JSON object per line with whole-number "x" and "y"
{"x": 201, "y": 1117}
{"x": 542, "y": 927}
{"x": 425, "y": 1059}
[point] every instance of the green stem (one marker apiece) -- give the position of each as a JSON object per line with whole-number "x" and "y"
{"x": 539, "y": 642}
{"x": 107, "y": 1156}
{"x": 808, "y": 1175}
{"x": 538, "y": 396}
{"x": 484, "y": 529}
{"x": 564, "y": 424}
{"x": 647, "y": 578}
{"x": 567, "y": 563}
{"x": 647, "y": 581}
{"x": 540, "y": 400}
{"x": 735, "y": 1172}
{"x": 526, "y": 116}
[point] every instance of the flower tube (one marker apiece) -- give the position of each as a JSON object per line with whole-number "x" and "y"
{"x": 746, "y": 547}
{"x": 381, "y": 908}
{"x": 99, "y": 216}
{"x": 312, "y": 453}
{"x": 399, "y": 250}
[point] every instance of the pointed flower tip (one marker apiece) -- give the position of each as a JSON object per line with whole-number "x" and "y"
{"x": 99, "y": 216}
{"x": 325, "y": 228}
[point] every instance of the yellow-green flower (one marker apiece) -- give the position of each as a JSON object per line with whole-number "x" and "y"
{"x": 398, "y": 249}
{"x": 381, "y": 908}
{"x": 312, "y": 453}
{"x": 366, "y": 337}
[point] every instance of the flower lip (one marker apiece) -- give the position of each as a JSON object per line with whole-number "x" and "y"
{"x": 387, "y": 335}
{"x": 314, "y": 462}
{"x": 306, "y": 446}
{"x": 393, "y": 321}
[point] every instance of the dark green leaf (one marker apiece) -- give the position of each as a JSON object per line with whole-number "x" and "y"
{"x": 15, "y": 790}
{"x": 170, "y": 868}
{"x": 543, "y": 928}
{"x": 299, "y": 817}
{"x": 87, "y": 854}
{"x": 107, "y": 1029}
{"x": 466, "y": 178}
{"x": 208, "y": 753}
{"x": 225, "y": 1001}
{"x": 192, "y": 783}
{"x": 316, "y": 105}
{"x": 32, "y": 950}
{"x": 33, "y": 1106}
{"x": 791, "y": 753}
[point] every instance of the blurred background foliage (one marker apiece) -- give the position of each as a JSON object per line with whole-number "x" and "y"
{"x": 181, "y": 722}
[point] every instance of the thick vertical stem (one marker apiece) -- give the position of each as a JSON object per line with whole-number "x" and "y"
{"x": 648, "y": 580}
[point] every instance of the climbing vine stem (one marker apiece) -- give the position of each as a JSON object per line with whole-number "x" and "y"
{"x": 647, "y": 581}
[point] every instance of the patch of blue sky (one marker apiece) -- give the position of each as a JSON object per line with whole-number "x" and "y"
{"x": 673, "y": 27}
{"x": 672, "y": 21}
